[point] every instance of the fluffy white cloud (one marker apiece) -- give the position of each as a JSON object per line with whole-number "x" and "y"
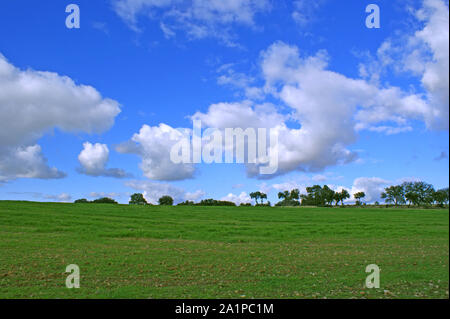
{"x": 194, "y": 196}
{"x": 154, "y": 191}
{"x": 325, "y": 109}
{"x": 240, "y": 114}
{"x": 197, "y": 18}
{"x": 153, "y": 144}
{"x": 435, "y": 76}
{"x": 290, "y": 185}
{"x": 33, "y": 103}
{"x": 237, "y": 199}
{"x": 371, "y": 186}
{"x": 25, "y": 162}
{"x": 424, "y": 52}
{"x": 93, "y": 159}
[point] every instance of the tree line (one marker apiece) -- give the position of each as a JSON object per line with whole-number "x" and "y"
{"x": 408, "y": 193}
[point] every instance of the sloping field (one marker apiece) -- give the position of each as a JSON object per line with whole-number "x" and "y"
{"x": 221, "y": 252}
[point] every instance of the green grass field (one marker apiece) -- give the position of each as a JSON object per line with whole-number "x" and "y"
{"x": 221, "y": 252}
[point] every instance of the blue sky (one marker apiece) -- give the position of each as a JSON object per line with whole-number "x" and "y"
{"x": 357, "y": 108}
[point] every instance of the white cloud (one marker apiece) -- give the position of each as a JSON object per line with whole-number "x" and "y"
{"x": 327, "y": 109}
{"x": 154, "y": 191}
{"x": 237, "y": 199}
{"x": 153, "y": 144}
{"x": 290, "y": 185}
{"x": 35, "y": 102}
{"x": 243, "y": 114}
{"x": 305, "y": 11}
{"x": 93, "y": 159}
{"x": 197, "y": 18}
{"x": 371, "y": 186}
{"x": 63, "y": 197}
{"x": 435, "y": 77}
{"x": 424, "y": 52}
{"x": 25, "y": 162}
{"x": 194, "y": 196}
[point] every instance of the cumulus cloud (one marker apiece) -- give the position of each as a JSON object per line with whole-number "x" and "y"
{"x": 371, "y": 186}
{"x": 196, "y": 18}
{"x": 325, "y": 109}
{"x": 153, "y": 191}
{"x": 93, "y": 159}
{"x": 194, "y": 196}
{"x": 35, "y": 102}
{"x": 153, "y": 144}
{"x": 424, "y": 52}
{"x": 237, "y": 199}
{"x": 25, "y": 162}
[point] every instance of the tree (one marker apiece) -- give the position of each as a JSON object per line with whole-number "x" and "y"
{"x": 263, "y": 197}
{"x": 256, "y": 196}
{"x": 166, "y": 201}
{"x": 394, "y": 194}
{"x": 441, "y": 196}
{"x": 418, "y": 193}
{"x": 104, "y": 200}
{"x": 295, "y": 194}
{"x": 341, "y": 196}
{"x": 284, "y": 195}
{"x": 289, "y": 198}
{"x": 327, "y": 195}
{"x": 81, "y": 201}
{"x": 137, "y": 199}
{"x": 313, "y": 196}
{"x": 358, "y": 196}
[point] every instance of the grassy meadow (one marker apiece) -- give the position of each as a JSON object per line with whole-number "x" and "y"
{"x": 221, "y": 252}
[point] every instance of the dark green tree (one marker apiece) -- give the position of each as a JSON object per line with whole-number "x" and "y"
{"x": 137, "y": 199}
{"x": 358, "y": 196}
{"x": 81, "y": 201}
{"x": 394, "y": 194}
{"x": 166, "y": 201}
{"x": 441, "y": 196}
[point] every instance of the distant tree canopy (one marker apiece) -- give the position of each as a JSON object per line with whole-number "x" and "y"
{"x": 415, "y": 193}
{"x": 208, "y": 202}
{"x": 322, "y": 196}
{"x": 186, "y": 203}
{"x": 358, "y": 196}
{"x": 258, "y": 195}
{"x": 104, "y": 200}
{"x": 289, "y": 198}
{"x": 213, "y": 202}
{"x": 81, "y": 201}
{"x": 441, "y": 196}
{"x": 137, "y": 199}
{"x": 166, "y": 201}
